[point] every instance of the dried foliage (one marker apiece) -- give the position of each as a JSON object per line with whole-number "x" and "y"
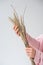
{"x": 22, "y": 30}
{"x": 21, "y": 26}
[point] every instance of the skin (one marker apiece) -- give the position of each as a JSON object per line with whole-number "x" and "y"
{"x": 29, "y": 50}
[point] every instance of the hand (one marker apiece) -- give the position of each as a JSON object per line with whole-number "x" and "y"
{"x": 30, "y": 52}
{"x": 16, "y": 28}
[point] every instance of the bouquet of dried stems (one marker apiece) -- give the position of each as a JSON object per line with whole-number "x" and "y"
{"x": 22, "y": 30}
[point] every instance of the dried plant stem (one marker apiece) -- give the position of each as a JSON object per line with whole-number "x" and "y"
{"x": 22, "y": 31}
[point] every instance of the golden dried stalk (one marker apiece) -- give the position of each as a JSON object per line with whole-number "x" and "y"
{"x": 22, "y": 30}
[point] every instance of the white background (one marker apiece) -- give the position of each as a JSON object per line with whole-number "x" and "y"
{"x": 12, "y": 49}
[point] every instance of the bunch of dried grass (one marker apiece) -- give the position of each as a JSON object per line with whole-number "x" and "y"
{"x": 21, "y": 26}
{"x": 22, "y": 30}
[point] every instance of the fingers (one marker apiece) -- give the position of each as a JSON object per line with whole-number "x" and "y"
{"x": 16, "y": 28}
{"x": 30, "y": 52}
{"x": 30, "y": 55}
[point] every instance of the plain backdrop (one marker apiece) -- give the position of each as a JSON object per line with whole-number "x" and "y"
{"x": 12, "y": 49}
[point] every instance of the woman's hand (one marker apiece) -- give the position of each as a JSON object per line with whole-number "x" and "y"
{"x": 30, "y": 52}
{"x": 17, "y": 30}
